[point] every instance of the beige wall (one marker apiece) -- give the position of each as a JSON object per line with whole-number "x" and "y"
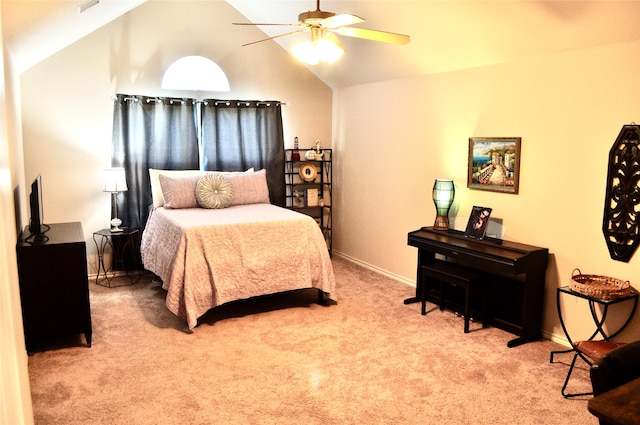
{"x": 394, "y": 138}
{"x": 67, "y": 105}
{"x": 15, "y": 396}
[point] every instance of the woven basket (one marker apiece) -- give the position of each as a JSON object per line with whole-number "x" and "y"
{"x": 601, "y": 287}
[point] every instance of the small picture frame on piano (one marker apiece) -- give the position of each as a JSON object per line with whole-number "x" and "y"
{"x": 478, "y": 222}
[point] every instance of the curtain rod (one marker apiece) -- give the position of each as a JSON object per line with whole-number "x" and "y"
{"x": 217, "y": 102}
{"x": 136, "y": 98}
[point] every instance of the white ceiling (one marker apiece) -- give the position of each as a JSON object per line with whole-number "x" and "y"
{"x": 446, "y": 35}
{"x": 35, "y": 29}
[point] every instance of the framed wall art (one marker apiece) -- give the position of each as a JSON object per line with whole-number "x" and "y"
{"x": 494, "y": 164}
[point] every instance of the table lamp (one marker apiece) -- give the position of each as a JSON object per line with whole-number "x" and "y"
{"x": 443, "y": 193}
{"x": 115, "y": 181}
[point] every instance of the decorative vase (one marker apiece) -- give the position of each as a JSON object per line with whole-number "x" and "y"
{"x": 296, "y": 153}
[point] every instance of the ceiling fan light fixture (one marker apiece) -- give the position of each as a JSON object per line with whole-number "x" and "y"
{"x": 305, "y": 52}
{"x": 329, "y": 48}
{"x": 323, "y": 47}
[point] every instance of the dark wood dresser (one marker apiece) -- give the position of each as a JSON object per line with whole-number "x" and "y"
{"x": 54, "y": 291}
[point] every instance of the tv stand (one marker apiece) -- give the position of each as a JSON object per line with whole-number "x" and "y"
{"x": 54, "y": 289}
{"x": 516, "y": 275}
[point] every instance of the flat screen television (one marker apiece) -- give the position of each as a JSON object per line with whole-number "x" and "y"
{"x": 36, "y": 224}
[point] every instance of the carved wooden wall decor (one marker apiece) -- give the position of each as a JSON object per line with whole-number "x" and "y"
{"x": 621, "y": 223}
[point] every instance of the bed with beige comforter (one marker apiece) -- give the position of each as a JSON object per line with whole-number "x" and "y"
{"x": 208, "y": 257}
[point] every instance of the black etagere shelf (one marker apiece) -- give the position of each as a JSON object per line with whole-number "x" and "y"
{"x": 308, "y": 187}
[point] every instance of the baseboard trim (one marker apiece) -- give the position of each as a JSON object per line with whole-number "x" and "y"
{"x": 375, "y": 269}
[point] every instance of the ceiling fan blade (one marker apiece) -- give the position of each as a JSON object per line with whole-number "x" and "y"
{"x": 340, "y": 20}
{"x": 385, "y": 37}
{"x": 277, "y": 25}
{"x": 276, "y": 36}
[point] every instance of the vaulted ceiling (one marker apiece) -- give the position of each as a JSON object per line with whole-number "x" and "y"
{"x": 446, "y": 35}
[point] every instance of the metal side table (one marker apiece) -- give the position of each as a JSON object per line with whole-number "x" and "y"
{"x": 123, "y": 248}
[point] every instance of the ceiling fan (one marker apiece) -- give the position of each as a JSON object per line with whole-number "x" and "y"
{"x": 323, "y": 24}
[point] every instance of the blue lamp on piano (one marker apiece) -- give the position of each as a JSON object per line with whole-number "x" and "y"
{"x": 443, "y": 194}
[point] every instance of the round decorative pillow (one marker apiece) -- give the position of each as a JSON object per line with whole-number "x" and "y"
{"x": 214, "y": 191}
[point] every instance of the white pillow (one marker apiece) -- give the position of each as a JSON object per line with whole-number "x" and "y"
{"x": 156, "y": 189}
{"x": 249, "y": 188}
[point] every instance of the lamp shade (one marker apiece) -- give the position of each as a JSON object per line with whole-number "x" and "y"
{"x": 114, "y": 180}
{"x": 443, "y": 194}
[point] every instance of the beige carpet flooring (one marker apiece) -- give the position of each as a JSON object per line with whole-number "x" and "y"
{"x": 369, "y": 359}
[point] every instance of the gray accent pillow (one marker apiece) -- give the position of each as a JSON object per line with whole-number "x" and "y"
{"x": 214, "y": 191}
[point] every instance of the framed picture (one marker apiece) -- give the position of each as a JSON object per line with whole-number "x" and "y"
{"x": 494, "y": 164}
{"x": 308, "y": 172}
{"x": 312, "y": 197}
{"x": 478, "y": 222}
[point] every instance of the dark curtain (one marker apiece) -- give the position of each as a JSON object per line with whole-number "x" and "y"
{"x": 150, "y": 132}
{"x": 237, "y": 135}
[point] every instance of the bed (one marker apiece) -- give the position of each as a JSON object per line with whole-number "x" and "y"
{"x": 208, "y": 256}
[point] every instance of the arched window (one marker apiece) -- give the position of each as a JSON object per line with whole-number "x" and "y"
{"x": 195, "y": 73}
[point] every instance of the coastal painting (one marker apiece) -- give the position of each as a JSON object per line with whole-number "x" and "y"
{"x": 494, "y": 164}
